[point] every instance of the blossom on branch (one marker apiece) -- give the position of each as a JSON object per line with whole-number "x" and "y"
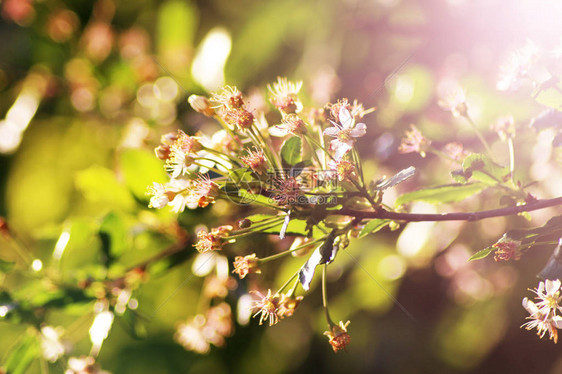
{"x": 284, "y": 95}
{"x": 543, "y": 313}
{"x": 246, "y": 265}
{"x": 344, "y": 133}
{"x": 267, "y": 306}
{"x": 414, "y": 142}
{"x": 339, "y": 338}
{"x": 255, "y": 160}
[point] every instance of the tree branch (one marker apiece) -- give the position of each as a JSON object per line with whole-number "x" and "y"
{"x": 468, "y": 216}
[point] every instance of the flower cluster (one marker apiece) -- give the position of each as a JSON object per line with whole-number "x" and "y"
{"x": 272, "y": 308}
{"x": 544, "y": 313}
{"x": 303, "y": 144}
{"x": 203, "y": 330}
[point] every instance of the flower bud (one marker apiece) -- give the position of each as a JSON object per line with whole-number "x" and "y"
{"x": 244, "y": 223}
{"x": 201, "y": 105}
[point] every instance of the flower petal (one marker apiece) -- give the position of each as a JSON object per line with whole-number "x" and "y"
{"x": 341, "y": 150}
{"x": 359, "y": 130}
{"x": 557, "y": 322}
{"x": 345, "y": 118}
{"x": 530, "y": 306}
{"x": 332, "y": 131}
{"x": 278, "y": 131}
{"x": 552, "y": 286}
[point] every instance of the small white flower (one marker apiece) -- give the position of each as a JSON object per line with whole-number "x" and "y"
{"x": 182, "y": 192}
{"x": 517, "y": 66}
{"x": 190, "y": 335}
{"x": 179, "y": 162}
{"x": 548, "y": 294}
{"x": 452, "y": 98}
{"x": 159, "y": 197}
{"x": 284, "y": 95}
{"x": 51, "y": 344}
{"x": 344, "y": 133}
{"x": 83, "y": 365}
{"x": 542, "y": 322}
{"x": 100, "y": 329}
{"x": 543, "y": 313}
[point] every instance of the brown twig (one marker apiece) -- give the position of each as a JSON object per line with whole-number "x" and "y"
{"x": 468, "y": 216}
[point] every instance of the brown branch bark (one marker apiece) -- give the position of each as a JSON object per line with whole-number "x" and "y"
{"x": 468, "y": 216}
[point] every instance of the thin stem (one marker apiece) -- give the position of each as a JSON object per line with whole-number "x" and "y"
{"x": 359, "y": 166}
{"x": 321, "y": 147}
{"x": 468, "y": 216}
{"x": 256, "y": 202}
{"x": 533, "y": 244}
{"x": 228, "y": 130}
{"x": 216, "y": 162}
{"x": 267, "y": 223}
{"x": 313, "y": 151}
{"x": 285, "y": 253}
{"x": 219, "y": 153}
{"x": 478, "y": 134}
{"x": 442, "y": 154}
{"x": 43, "y": 365}
{"x": 325, "y": 296}
{"x": 259, "y": 141}
{"x": 365, "y": 193}
{"x": 287, "y": 283}
{"x": 293, "y": 289}
{"x": 224, "y": 174}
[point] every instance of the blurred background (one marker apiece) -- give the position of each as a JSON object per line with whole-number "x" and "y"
{"x": 87, "y": 89}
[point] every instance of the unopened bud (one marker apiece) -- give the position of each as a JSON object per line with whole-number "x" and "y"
{"x": 244, "y": 223}
{"x": 201, "y": 105}
{"x": 162, "y": 152}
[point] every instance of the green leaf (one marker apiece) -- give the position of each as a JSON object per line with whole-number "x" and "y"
{"x": 295, "y": 226}
{"x": 140, "y": 169}
{"x": 6, "y": 266}
{"x": 373, "y": 226}
{"x": 459, "y": 176}
{"x": 481, "y": 254}
{"x": 291, "y": 150}
{"x": 100, "y": 186}
{"x": 549, "y": 93}
{"x": 113, "y": 235}
{"x": 441, "y": 194}
{"x": 482, "y": 169}
{"x": 22, "y": 356}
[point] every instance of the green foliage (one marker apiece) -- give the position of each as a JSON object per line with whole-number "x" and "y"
{"x": 291, "y": 151}
{"x": 100, "y": 186}
{"x": 113, "y": 236}
{"x": 549, "y": 93}
{"x": 481, "y": 254}
{"x": 481, "y": 168}
{"x": 6, "y": 266}
{"x": 441, "y": 194}
{"x": 373, "y": 226}
{"x": 140, "y": 168}
{"x": 19, "y": 360}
